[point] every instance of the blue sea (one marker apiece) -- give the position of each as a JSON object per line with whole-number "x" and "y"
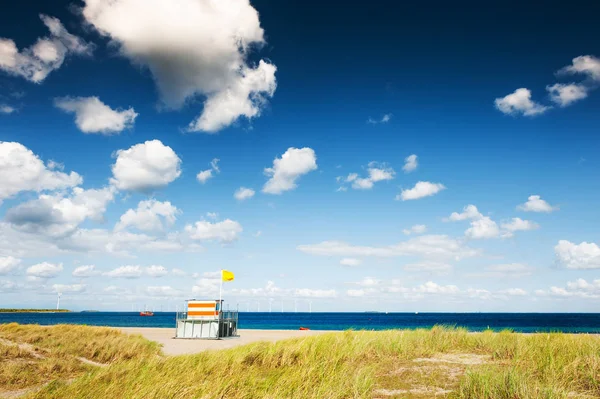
{"x": 519, "y": 322}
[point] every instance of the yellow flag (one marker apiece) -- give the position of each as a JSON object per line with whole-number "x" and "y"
{"x": 226, "y": 275}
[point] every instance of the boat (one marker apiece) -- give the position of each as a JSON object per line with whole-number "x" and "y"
{"x": 146, "y": 313}
{"x": 304, "y": 328}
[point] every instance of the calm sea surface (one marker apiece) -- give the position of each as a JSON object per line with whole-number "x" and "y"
{"x": 521, "y": 322}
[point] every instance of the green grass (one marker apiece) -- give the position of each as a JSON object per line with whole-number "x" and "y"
{"x": 351, "y": 364}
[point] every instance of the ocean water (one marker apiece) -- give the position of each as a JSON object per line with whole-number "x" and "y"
{"x": 519, "y": 322}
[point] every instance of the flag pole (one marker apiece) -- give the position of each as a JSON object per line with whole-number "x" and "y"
{"x": 221, "y": 293}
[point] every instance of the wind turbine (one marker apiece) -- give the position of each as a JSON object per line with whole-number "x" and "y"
{"x": 58, "y": 300}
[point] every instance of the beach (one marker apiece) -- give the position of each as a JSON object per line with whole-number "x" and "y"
{"x": 172, "y": 346}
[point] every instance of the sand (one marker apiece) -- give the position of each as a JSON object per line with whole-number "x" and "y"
{"x": 172, "y": 346}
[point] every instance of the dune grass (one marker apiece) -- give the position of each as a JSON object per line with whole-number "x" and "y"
{"x": 440, "y": 362}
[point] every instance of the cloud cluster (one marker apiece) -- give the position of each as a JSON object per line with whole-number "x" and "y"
{"x": 225, "y": 231}
{"x": 421, "y": 190}
{"x": 375, "y": 172}
{"x": 484, "y": 227}
{"x": 535, "y": 203}
{"x": 410, "y": 163}
{"x": 205, "y": 175}
{"x": 22, "y": 170}
{"x": 193, "y": 48}
{"x": 145, "y": 167}
{"x": 48, "y": 54}
{"x": 286, "y": 170}
{"x": 577, "y": 256}
{"x": 243, "y": 193}
{"x": 93, "y": 116}
{"x": 150, "y": 215}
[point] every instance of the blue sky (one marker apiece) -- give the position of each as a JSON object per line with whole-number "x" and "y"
{"x": 126, "y": 132}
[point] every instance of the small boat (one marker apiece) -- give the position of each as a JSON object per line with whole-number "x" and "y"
{"x": 304, "y": 328}
{"x": 146, "y": 313}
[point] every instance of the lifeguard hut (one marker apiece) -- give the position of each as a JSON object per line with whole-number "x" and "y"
{"x": 206, "y": 319}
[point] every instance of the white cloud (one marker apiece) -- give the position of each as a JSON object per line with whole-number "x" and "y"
{"x": 513, "y": 292}
{"x": 8, "y": 264}
{"x": 145, "y": 167}
{"x": 427, "y": 246}
{"x": 469, "y": 212}
{"x": 350, "y": 262}
{"x": 129, "y": 272}
{"x": 294, "y": 163}
{"x": 518, "y": 224}
{"x": 156, "y": 271}
{"x": 6, "y": 109}
{"x": 584, "y": 64}
{"x": 193, "y": 48}
{"x": 536, "y": 204}
{"x": 310, "y": 293}
{"x": 420, "y": 190}
{"x": 150, "y": 215}
{"x": 429, "y": 267}
{"x": 47, "y": 54}
{"x": 243, "y": 193}
{"x": 520, "y": 102}
{"x": 483, "y": 228}
{"x": 60, "y": 215}
{"x": 93, "y": 116}
{"x": 85, "y": 271}
{"x": 376, "y": 172}
{"x": 566, "y": 94}
{"x": 226, "y": 231}
{"x": 579, "y": 288}
{"x": 22, "y": 170}
{"x": 410, "y": 163}
{"x": 416, "y": 229}
{"x": 577, "y": 256}
{"x": 45, "y": 270}
{"x": 205, "y": 175}
{"x": 384, "y": 119}
{"x": 212, "y": 215}
{"x": 72, "y": 289}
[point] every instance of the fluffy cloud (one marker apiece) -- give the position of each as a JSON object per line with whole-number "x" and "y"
{"x": 520, "y": 102}
{"x": 573, "y": 256}
{"x": 535, "y": 203}
{"x": 410, "y": 163}
{"x": 85, "y": 271}
{"x": 150, "y": 215}
{"x": 205, "y": 175}
{"x": 585, "y": 64}
{"x": 226, "y": 231}
{"x": 513, "y": 292}
{"x": 566, "y": 94}
{"x": 433, "y": 288}
{"x": 483, "y": 227}
{"x": 156, "y": 271}
{"x": 427, "y": 246}
{"x": 145, "y": 167}
{"x": 193, "y": 48}
{"x": 294, "y": 163}
{"x": 47, "y": 54}
{"x": 469, "y": 212}
{"x": 44, "y": 270}
{"x": 243, "y": 193}
{"x": 178, "y": 272}
{"x": 384, "y": 119}
{"x": 60, "y": 215}
{"x": 518, "y": 224}
{"x": 416, "y": 229}
{"x": 6, "y": 109}
{"x": 376, "y": 172}
{"x": 8, "y": 264}
{"x": 350, "y": 262}
{"x": 579, "y": 288}
{"x": 22, "y": 170}
{"x": 420, "y": 190}
{"x": 93, "y": 116}
{"x": 129, "y": 272}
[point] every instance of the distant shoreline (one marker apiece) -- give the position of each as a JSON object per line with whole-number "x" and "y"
{"x": 35, "y": 311}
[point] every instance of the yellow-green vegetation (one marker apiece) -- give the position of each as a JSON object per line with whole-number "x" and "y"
{"x": 33, "y": 310}
{"x": 440, "y": 363}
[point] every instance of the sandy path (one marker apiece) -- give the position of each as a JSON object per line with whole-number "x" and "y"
{"x": 173, "y": 346}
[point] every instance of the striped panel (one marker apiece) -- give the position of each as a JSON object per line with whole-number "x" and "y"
{"x": 200, "y": 313}
{"x": 210, "y": 305}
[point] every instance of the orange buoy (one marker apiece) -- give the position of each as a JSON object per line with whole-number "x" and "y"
{"x": 304, "y": 328}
